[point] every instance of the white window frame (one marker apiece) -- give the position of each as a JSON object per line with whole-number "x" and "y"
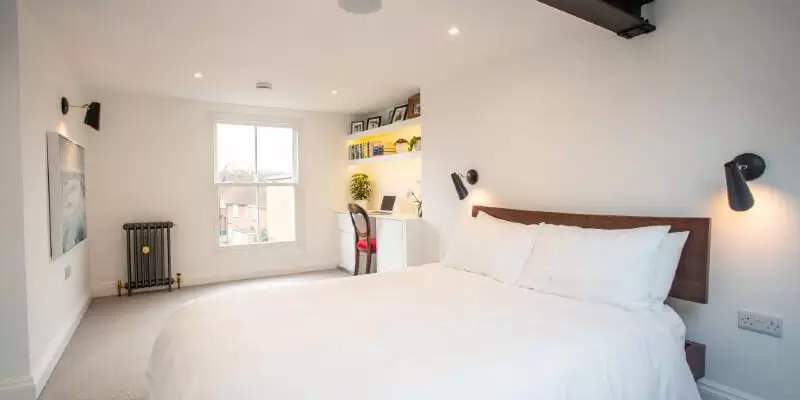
{"x": 296, "y": 183}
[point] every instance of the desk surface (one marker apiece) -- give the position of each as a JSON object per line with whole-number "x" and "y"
{"x": 396, "y": 216}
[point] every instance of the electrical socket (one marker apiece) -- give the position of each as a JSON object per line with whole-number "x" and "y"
{"x": 67, "y": 272}
{"x": 760, "y": 323}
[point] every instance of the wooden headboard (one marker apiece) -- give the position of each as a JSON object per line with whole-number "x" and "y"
{"x": 691, "y": 279}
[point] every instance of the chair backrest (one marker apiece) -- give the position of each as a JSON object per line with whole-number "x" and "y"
{"x": 360, "y": 220}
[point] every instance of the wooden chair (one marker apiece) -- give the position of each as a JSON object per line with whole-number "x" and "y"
{"x": 364, "y": 242}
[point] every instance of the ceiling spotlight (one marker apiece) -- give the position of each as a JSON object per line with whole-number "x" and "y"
{"x": 361, "y": 6}
{"x": 263, "y": 85}
{"x": 198, "y": 75}
{"x": 454, "y": 31}
{"x": 334, "y": 92}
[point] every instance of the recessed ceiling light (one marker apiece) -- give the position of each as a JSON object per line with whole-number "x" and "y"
{"x": 454, "y": 31}
{"x": 361, "y": 6}
{"x": 334, "y": 92}
{"x": 198, "y": 75}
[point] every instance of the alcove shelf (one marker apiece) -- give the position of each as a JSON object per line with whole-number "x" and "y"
{"x": 387, "y": 158}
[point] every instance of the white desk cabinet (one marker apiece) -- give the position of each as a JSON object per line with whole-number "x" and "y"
{"x": 347, "y": 255}
{"x": 401, "y": 242}
{"x": 392, "y": 244}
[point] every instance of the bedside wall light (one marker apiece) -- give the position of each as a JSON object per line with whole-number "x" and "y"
{"x": 471, "y": 177}
{"x": 743, "y": 168}
{"x": 92, "y": 112}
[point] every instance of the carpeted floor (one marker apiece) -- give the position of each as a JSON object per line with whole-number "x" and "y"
{"x": 108, "y": 354}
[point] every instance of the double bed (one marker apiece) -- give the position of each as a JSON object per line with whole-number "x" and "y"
{"x": 430, "y": 332}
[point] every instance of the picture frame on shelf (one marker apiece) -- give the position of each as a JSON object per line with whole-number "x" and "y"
{"x": 374, "y": 122}
{"x": 414, "y": 106}
{"x": 399, "y": 113}
{"x": 387, "y": 116}
{"x": 356, "y": 127}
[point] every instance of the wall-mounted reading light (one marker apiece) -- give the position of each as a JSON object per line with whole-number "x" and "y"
{"x": 92, "y": 112}
{"x": 471, "y": 177}
{"x": 743, "y": 168}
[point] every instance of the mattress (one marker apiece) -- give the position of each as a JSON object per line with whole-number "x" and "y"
{"x": 420, "y": 333}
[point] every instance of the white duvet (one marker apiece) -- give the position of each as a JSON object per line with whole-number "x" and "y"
{"x": 421, "y": 333}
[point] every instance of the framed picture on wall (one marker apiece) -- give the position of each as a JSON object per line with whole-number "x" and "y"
{"x": 67, "y": 189}
{"x": 414, "y": 107}
{"x": 399, "y": 113}
{"x": 356, "y": 127}
{"x": 374, "y": 122}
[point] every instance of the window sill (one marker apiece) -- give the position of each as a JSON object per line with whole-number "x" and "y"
{"x": 256, "y": 245}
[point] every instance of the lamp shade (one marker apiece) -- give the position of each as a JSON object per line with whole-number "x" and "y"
{"x": 460, "y": 188}
{"x": 93, "y": 115}
{"x": 740, "y": 198}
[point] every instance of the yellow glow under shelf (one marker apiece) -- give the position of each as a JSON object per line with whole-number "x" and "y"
{"x": 387, "y": 158}
{"x": 389, "y": 133}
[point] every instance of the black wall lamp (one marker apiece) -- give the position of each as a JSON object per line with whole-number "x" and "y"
{"x": 743, "y": 168}
{"x": 92, "y": 112}
{"x": 471, "y": 177}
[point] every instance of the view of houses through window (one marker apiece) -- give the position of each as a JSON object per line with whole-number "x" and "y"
{"x": 256, "y": 178}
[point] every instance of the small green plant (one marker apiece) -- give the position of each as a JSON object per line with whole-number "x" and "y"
{"x": 415, "y": 142}
{"x": 417, "y": 202}
{"x": 360, "y": 187}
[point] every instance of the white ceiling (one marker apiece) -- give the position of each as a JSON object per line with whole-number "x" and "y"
{"x": 306, "y": 48}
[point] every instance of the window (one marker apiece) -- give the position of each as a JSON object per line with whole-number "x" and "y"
{"x": 256, "y": 179}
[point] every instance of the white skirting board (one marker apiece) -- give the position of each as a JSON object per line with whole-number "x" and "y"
{"x": 21, "y": 388}
{"x": 710, "y": 390}
{"x": 110, "y": 288}
{"x": 45, "y": 366}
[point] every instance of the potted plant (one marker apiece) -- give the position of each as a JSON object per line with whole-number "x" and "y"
{"x": 401, "y": 145}
{"x": 417, "y": 202}
{"x": 360, "y": 189}
{"x": 416, "y": 143}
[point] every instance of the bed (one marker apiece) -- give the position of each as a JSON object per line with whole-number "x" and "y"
{"x": 429, "y": 332}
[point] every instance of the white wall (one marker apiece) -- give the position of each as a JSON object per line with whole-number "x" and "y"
{"x": 55, "y": 305}
{"x": 154, "y": 161}
{"x": 595, "y": 123}
{"x": 39, "y": 309}
{"x": 15, "y": 382}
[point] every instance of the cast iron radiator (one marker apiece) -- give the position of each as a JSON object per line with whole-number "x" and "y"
{"x": 149, "y": 256}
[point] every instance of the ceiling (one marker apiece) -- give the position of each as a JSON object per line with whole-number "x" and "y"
{"x": 305, "y": 48}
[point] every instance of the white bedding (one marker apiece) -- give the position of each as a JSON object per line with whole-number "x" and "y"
{"x": 420, "y": 333}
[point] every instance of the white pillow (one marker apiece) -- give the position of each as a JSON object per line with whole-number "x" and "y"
{"x": 665, "y": 264}
{"x": 607, "y": 266}
{"x": 482, "y": 216}
{"x": 492, "y": 247}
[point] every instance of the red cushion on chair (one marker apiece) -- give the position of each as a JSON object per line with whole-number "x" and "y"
{"x": 362, "y": 245}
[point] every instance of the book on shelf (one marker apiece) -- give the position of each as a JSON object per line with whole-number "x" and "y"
{"x": 369, "y": 149}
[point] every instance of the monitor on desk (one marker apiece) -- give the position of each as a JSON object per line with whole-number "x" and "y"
{"x": 387, "y": 205}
